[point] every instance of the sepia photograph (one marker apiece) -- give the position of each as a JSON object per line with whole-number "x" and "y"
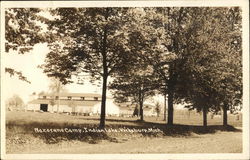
{"x": 124, "y": 80}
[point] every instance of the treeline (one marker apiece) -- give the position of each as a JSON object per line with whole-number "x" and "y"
{"x": 191, "y": 55}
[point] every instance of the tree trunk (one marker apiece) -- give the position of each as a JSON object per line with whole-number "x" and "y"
{"x": 103, "y": 104}
{"x": 170, "y": 106}
{"x": 141, "y": 104}
{"x": 170, "y": 96}
{"x": 105, "y": 74}
{"x": 58, "y": 101}
{"x": 141, "y": 110}
{"x": 58, "y": 95}
{"x": 225, "y": 107}
{"x": 205, "y": 116}
{"x": 165, "y": 108}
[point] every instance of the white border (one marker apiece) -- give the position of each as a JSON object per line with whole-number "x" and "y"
{"x": 2, "y": 84}
{"x": 174, "y": 3}
{"x": 198, "y": 3}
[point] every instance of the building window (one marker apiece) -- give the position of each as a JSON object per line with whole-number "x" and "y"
{"x": 69, "y": 97}
{"x": 44, "y": 97}
{"x": 96, "y": 98}
{"x": 82, "y": 98}
{"x": 57, "y": 97}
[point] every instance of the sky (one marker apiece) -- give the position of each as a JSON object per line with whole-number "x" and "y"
{"x": 28, "y": 65}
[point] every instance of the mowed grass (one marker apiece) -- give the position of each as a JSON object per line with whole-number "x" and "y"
{"x": 187, "y": 135}
{"x": 180, "y": 117}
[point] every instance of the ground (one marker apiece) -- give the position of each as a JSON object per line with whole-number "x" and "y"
{"x": 187, "y": 136}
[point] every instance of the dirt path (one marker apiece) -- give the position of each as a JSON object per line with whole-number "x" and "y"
{"x": 220, "y": 142}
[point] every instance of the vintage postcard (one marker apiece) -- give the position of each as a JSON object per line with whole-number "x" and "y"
{"x": 125, "y": 79}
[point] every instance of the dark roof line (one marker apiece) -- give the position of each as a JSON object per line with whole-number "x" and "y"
{"x": 65, "y": 102}
{"x": 74, "y": 94}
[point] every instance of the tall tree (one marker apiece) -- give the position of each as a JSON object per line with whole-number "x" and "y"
{"x": 55, "y": 88}
{"x": 229, "y": 79}
{"x": 15, "y": 102}
{"x": 166, "y": 62}
{"x": 89, "y": 40}
{"x": 137, "y": 80}
{"x": 210, "y": 76}
{"x": 135, "y": 87}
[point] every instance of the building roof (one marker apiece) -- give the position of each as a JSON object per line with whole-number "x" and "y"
{"x": 65, "y": 102}
{"x": 74, "y": 95}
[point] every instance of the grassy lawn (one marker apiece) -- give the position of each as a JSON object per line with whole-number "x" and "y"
{"x": 187, "y": 136}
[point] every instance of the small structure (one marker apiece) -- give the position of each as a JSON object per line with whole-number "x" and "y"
{"x": 127, "y": 109}
{"x": 149, "y": 110}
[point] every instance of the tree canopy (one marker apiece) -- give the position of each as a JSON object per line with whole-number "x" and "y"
{"x": 23, "y": 30}
{"x": 212, "y": 72}
{"x": 91, "y": 40}
{"x": 193, "y": 53}
{"x": 14, "y": 103}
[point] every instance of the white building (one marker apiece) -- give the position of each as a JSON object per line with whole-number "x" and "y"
{"x": 84, "y": 104}
{"x": 77, "y": 103}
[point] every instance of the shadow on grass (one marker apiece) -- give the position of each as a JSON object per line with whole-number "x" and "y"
{"x": 176, "y": 129}
{"x": 187, "y": 130}
{"x": 50, "y": 137}
{"x": 109, "y": 120}
{"x": 52, "y": 133}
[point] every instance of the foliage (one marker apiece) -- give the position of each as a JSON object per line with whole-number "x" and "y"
{"x": 90, "y": 40}
{"x": 215, "y": 64}
{"x": 23, "y": 30}
{"x": 134, "y": 87}
{"x": 193, "y": 53}
{"x": 201, "y": 63}
{"x": 13, "y": 72}
{"x": 136, "y": 81}
{"x": 14, "y": 103}
{"x": 212, "y": 70}
{"x": 56, "y": 87}
{"x": 169, "y": 58}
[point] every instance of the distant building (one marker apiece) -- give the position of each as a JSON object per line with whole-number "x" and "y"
{"x": 149, "y": 110}
{"x": 83, "y": 103}
{"x": 127, "y": 109}
{"x": 76, "y": 103}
